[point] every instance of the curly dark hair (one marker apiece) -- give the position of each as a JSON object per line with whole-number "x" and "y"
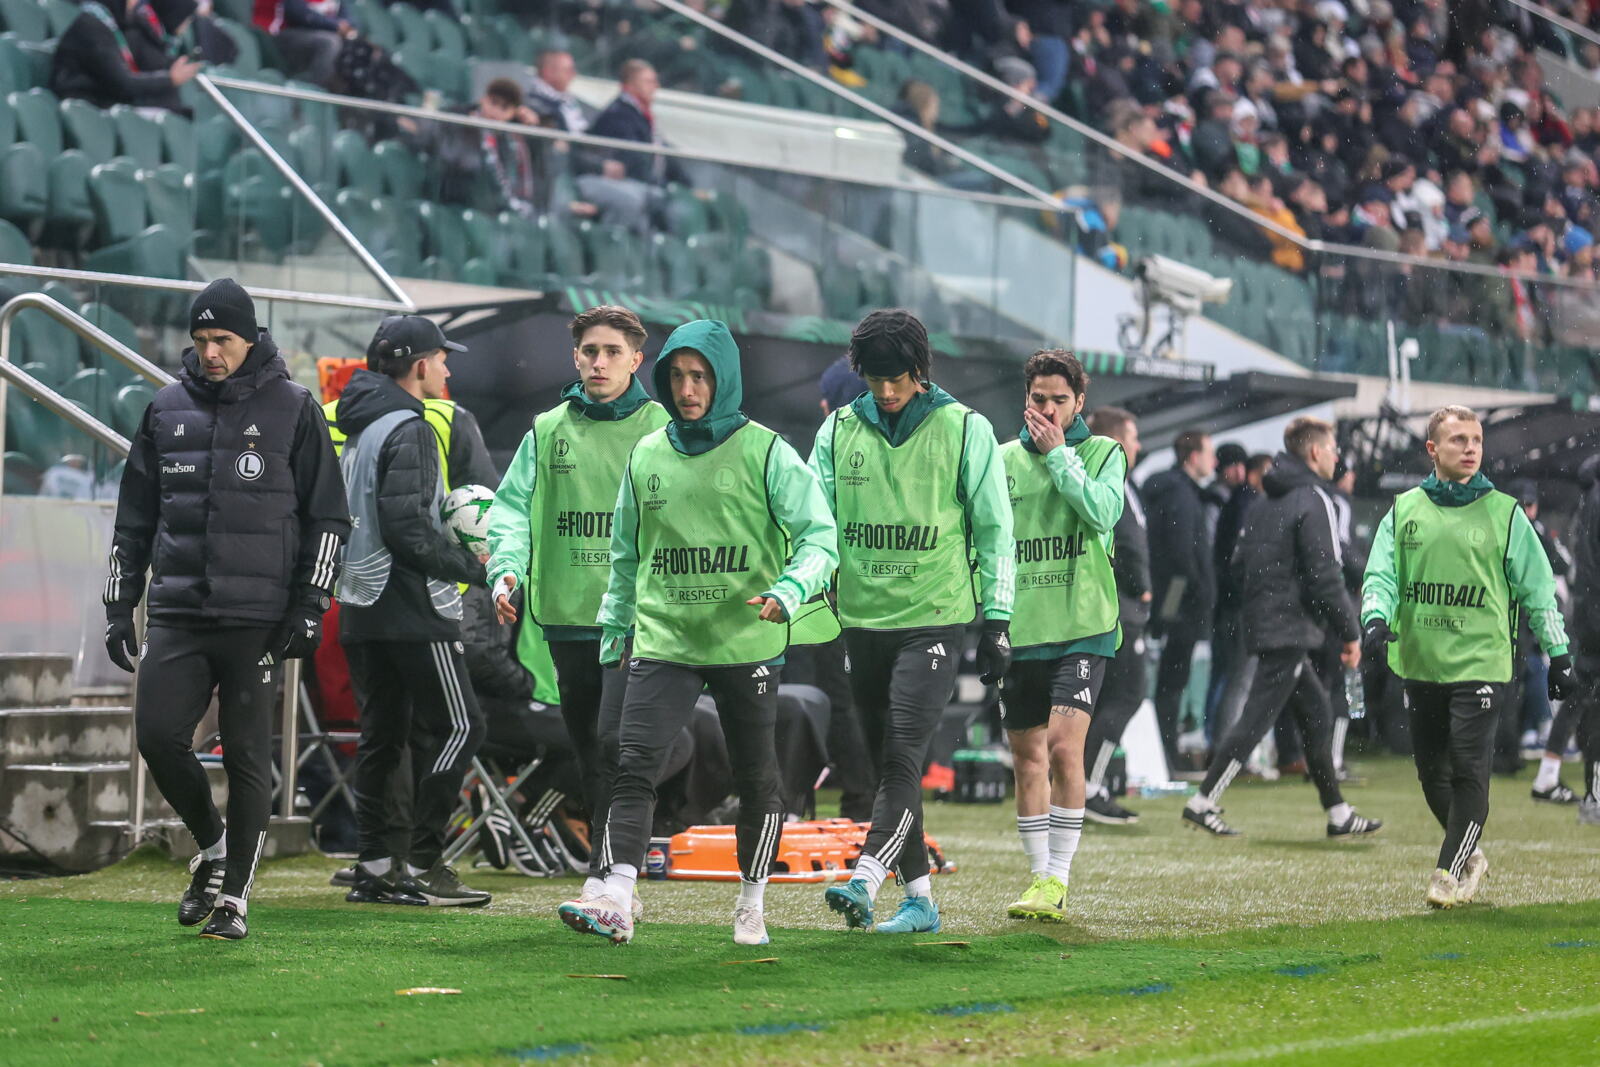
{"x": 1060, "y": 361}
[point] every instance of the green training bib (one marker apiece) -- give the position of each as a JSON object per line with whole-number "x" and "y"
{"x": 1065, "y": 588}
{"x": 708, "y": 542}
{"x": 1456, "y": 621}
{"x": 580, "y": 465}
{"x": 904, "y": 559}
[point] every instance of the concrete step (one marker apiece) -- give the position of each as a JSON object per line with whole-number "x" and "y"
{"x": 38, "y": 797}
{"x": 65, "y": 735}
{"x": 102, "y": 696}
{"x": 34, "y": 680}
{"x": 285, "y": 837}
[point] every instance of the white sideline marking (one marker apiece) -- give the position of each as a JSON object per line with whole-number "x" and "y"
{"x": 1381, "y": 1037}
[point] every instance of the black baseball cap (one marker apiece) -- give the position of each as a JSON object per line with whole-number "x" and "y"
{"x": 403, "y": 338}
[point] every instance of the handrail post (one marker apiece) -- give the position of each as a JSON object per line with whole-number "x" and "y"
{"x": 289, "y": 750}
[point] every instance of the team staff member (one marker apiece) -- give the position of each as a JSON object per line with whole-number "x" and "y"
{"x": 1126, "y": 675}
{"x": 400, "y": 617}
{"x": 720, "y": 534}
{"x": 1066, "y": 497}
{"x": 550, "y": 532}
{"x": 1586, "y": 634}
{"x": 1451, "y": 563}
{"x": 231, "y": 496}
{"x": 1292, "y": 595}
{"x": 914, "y": 478}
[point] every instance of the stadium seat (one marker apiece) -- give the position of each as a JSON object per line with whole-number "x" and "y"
{"x": 450, "y": 42}
{"x": 525, "y": 242}
{"x": 488, "y": 243}
{"x": 118, "y": 201}
{"x": 248, "y": 62}
{"x": 614, "y": 255}
{"x": 401, "y": 237}
{"x": 26, "y": 19}
{"x": 128, "y": 407}
{"x": 40, "y": 338}
{"x": 675, "y": 270}
{"x": 69, "y": 215}
{"x": 14, "y": 246}
{"x": 139, "y": 137}
{"x": 16, "y": 73}
{"x": 353, "y": 165}
{"x": 564, "y": 251}
{"x": 169, "y": 194}
{"x": 22, "y": 474}
{"x": 399, "y": 168}
{"x": 113, "y": 322}
{"x": 89, "y": 130}
{"x": 445, "y": 239}
{"x": 38, "y": 120}
{"x": 416, "y": 32}
{"x": 93, "y": 390}
{"x": 60, "y": 14}
{"x": 308, "y": 152}
{"x": 377, "y": 25}
{"x": 177, "y": 139}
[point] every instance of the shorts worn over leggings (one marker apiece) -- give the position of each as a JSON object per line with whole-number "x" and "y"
{"x": 1283, "y": 676}
{"x": 414, "y": 693}
{"x": 659, "y": 704}
{"x": 901, "y": 681}
{"x": 591, "y": 706}
{"x": 178, "y": 669}
{"x": 1452, "y": 734}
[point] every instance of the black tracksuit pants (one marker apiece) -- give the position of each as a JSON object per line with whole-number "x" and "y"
{"x": 1453, "y": 731}
{"x": 659, "y": 704}
{"x": 416, "y": 694}
{"x": 178, "y": 669}
{"x": 901, "y": 681}
{"x": 1588, "y": 696}
{"x": 1283, "y": 676}
{"x": 1172, "y": 677}
{"x": 1120, "y": 698}
{"x": 591, "y": 706}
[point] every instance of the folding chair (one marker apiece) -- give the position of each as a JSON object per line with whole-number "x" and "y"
{"x": 498, "y": 803}
{"x": 317, "y": 743}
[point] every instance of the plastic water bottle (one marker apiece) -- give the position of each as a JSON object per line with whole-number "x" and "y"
{"x": 1355, "y": 695}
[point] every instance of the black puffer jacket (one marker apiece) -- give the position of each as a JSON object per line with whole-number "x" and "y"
{"x": 1180, "y": 548}
{"x": 90, "y": 64}
{"x": 1288, "y": 566}
{"x": 231, "y": 496}
{"x": 1131, "y": 564}
{"x": 408, "y": 470}
{"x": 1585, "y": 581}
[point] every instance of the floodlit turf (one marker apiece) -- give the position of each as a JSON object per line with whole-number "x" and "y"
{"x": 1280, "y": 947}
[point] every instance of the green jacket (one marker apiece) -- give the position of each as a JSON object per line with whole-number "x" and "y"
{"x": 1527, "y": 572}
{"x": 983, "y": 490}
{"x": 793, "y": 495}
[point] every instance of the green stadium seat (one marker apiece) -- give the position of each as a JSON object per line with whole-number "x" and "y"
{"x": 487, "y": 243}
{"x": 26, "y": 19}
{"x": 401, "y": 236}
{"x": 169, "y": 194}
{"x": 353, "y": 164}
{"x": 16, "y": 73}
{"x": 139, "y": 137}
{"x": 40, "y": 338}
{"x": 38, "y": 120}
{"x": 614, "y": 254}
{"x": 525, "y": 244}
{"x": 248, "y": 62}
{"x": 113, "y": 322}
{"x": 450, "y": 41}
{"x": 120, "y": 209}
{"x": 673, "y": 267}
{"x": 128, "y": 407}
{"x": 445, "y": 239}
{"x": 154, "y": 253}
{"x": 89, "y": 130}
{"x": 24, "y": 192}
{"x": 400, "y": 169}
{"x": 564, "y": 251}
{"x": 60, "y": 294}
{"x": 93, "y": 390}
{"x": 33, "y": 432}
{"x": 841, "y": 291}
{"x": 377, "y": 25}
{"x": 308, "y": 152}
{"x": 416, "y": 32}
{"x": 14, "y": 246}
{"x": 177, "y": 140}
{"x": 60, "y": 14}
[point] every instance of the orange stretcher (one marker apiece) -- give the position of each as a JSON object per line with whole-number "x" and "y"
{"x": 821, "y": 850}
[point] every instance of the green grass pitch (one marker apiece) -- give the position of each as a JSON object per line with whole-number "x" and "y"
{"x": 1277, "y": 948}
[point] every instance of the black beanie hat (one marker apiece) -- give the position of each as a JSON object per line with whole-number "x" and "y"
{"x": 226, "y": 306}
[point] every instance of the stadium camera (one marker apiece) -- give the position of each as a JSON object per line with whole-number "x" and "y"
{"x": 1179, "y": 288}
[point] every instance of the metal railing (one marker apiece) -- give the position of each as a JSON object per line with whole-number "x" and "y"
{"x": 65, "y": 409}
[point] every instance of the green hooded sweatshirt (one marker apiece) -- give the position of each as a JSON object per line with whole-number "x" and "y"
{"x": 794, "y": 501}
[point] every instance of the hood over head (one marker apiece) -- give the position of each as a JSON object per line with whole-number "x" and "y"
{"x": 713, "y": 340}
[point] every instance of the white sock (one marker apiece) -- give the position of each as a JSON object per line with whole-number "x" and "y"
{"x": 593, "y": 887}
{"x": 1066, "y": 827}
{"x": 1549, "y": 772}
{"x": 1339, "y": 814}
{"x": 1200, "y": 803}
{"x": 870, "y": 871}
{"x": 218, "y": 851}
{"x": 1095, "y": 789}
{"x": 377, "y": 868}
{"x": 236, "y": 903}
{"x": 1035, "y": 833}
{"x": 920, "y": 887}
{"x": 752, "y": 894}
{"x": 619, "y": 883}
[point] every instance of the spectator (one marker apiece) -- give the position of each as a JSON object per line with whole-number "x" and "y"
{"x": 493, "y": 171}
{"x": 94, "y": 61}
{"x": 1050, "y": 22}
{"x": 630, "y": 118}
{"x": 1011, "y": 119}
{"x": 309, "y": 33}
{"x": 920, "y": 103}
{"x": 549, "y": 93}
{"x": 68, "y": 478}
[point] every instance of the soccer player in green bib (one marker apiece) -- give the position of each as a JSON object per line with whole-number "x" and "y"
{"x": 550, "y": 535}
{"x": 1451, "y": 563}
{"x": 1066, "y": 489}
{"x": 720, "y": 533}
{"x": 917, "y": 487}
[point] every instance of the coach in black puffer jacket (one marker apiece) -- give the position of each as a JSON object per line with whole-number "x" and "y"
{"x": 231, "y": 496}
{"x": 1287, "y": 564}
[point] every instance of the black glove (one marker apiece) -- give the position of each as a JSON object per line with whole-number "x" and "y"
{"x": 122, "y": 642}
{"x": 1375, "y": 641}
{"x": 994, "y": 651}
{"x": 1562, "y": 682}
{"x": 298, "y": 635}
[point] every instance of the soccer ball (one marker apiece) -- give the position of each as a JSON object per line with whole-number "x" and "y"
{"x": 466, "y": 514}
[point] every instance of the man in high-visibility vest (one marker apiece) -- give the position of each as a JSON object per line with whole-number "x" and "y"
{"x": 1451, "y": 564}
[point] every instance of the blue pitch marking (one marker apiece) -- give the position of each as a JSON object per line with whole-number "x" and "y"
{"x": 1572, "y": 944}
{"x": 1445, "y": 956}
{"x": 1146, "y": 990}
{"x": 768, "y": 1029}
{"x": 1301, "y": 970}
{"x": 549, "y": 1052}
{"x": 971, "y": 1009}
